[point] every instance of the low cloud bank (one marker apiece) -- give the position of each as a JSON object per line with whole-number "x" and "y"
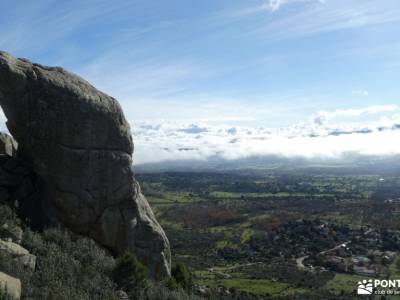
{"x": 175, "y": 141}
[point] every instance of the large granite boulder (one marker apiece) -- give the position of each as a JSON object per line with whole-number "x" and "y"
{"x": 79, "y": 144}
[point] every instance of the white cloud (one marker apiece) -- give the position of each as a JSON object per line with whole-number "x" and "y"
{"x": 360, "y": 93}
{"x": 36, "y": 26}
{"x": 275, "y": 5}
{"x": 202, "y": 140}
{"x": 319, "y": 17}
{"x": 322, "y": 117}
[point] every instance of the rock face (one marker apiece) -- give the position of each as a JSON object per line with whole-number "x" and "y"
{"x": 18, "y": 253}
{"x": 80, "y": 147}
{"x": 11, "y": 285}
{"x": 17, "y": 181}
{"x": 8, "y": 145}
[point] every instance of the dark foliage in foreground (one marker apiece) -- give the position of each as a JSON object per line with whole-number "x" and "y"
{"x": 67, "y": 268}
{"x": 70, "y": 266}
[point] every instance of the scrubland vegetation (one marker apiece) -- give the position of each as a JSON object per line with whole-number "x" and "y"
{"x": 70, "y": 266}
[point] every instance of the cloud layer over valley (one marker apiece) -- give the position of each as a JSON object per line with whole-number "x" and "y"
{"x": 326, "y": 135}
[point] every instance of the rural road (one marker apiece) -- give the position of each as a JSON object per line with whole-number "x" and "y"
{"x": 300, "y": 260}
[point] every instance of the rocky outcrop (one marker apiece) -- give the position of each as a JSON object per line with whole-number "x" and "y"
{"x": 18, "y": 254}
{"x": 11, "y": 285}
{"x": 79, "y": 145}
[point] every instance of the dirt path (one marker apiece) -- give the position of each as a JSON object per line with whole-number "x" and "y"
{"x": 225, "y": 275}
{"x": 300, "y": 260}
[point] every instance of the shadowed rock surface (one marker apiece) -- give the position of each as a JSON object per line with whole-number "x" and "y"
{"x": 79, "y": 145}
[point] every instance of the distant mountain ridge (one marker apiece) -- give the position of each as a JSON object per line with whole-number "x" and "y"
{"x": 349, "y": 163}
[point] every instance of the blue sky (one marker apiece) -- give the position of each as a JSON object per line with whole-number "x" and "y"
{"x": 227, "y": 63}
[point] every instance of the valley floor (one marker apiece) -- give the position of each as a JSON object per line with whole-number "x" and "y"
{"x": 280, "y": 235}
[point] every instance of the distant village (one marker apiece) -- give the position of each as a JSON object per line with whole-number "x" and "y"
{"x": 368, "y": 253}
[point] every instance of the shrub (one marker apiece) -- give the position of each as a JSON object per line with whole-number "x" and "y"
{"x": 71, "y": 266}
{"x": 182, "y": 277}
{"x": 130, "y": 275}
{"x": 171, "y": 284}
{"x": 68, "y": 267}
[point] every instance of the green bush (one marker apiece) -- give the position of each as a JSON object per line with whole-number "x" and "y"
{"x": 171, "y": 284}
{"x": 182, "y": 277}
{"x": 130, "y": 275}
